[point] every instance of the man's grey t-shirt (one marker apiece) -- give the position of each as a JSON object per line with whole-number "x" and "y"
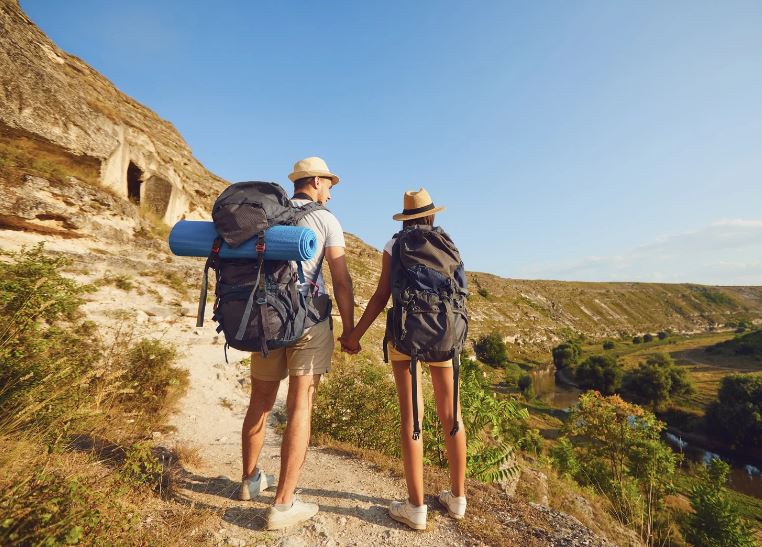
{"x": 329, "y": 234}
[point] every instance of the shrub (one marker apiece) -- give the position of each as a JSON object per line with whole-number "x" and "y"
{"x": 564, "y": 458}
{"x": 662, "y": 335}
{"x": 657, "y": 380}
{"x": 491, "y": 349}
{"x": 648, "y": 338}
{"x": 736, "y": 415}
{"x": 637, "y": 340}
{"x": 141, "y": 466}
{"x": 525, "y": 383}
{"x": 150, "y": 373}
{"x": 608, "y": 344}
{"x": 619, "y": 452}
{"x": 600, "y": 372}
{"x": 484, "y": 293}
{"x": 358, "y": 404}
{"x": 566, "y": 355}
{"x": 715, "y": 520}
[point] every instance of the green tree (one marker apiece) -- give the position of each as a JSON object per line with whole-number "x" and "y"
{"x": 736, "y": 415}
{"x": 657, "y": 380}
{"x": 491, "y": 349}
{"x": 715, "y": 521}
{"x": 566, "y": 355}
{"x": 637, "y": 340}
{"x": 525, "y": 383}
{"x": 662, "y": 335}
{"x": 608, "y": 344}
{"x": 619, "y": 452}
{"x": 648, "y": 337}
{"x": 600, "y": 372}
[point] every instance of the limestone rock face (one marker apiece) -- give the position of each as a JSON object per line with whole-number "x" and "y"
{"x": 47, "y": 92}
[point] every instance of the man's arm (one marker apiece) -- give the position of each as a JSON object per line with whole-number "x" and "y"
{"x": 342, "y": 287}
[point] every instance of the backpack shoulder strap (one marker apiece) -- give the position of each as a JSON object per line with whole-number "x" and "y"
{"x": 307, "y": 208}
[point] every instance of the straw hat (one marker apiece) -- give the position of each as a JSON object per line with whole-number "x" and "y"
{"x": 416, "y": 205}
{"x": 312, "y": 167}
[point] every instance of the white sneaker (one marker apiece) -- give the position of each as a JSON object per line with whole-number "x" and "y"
{"x": 456, "y": 506}
{"x": 407, "y": 513}
{"x": 251, "y": 487}
{"x": 298, "y": 512}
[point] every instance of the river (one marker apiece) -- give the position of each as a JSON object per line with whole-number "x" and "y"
{"x": 744, "y": 476}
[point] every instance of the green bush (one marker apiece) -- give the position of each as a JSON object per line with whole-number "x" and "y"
{"x": 525, "y": 383}
{"x": 657, "y": 380}
{"x": 619, "y": 452}
{"x": 715, "y": 520}
{"x": 648, "y": 337}
{"x": 141, "y": 466}
{"x": 736, "y": 415}
{"x": 358, "y": 404}
{"x": 608, "y": 344}
{"x": 564, "y": 457}
{"x": 50, "y": 508}
{"x": 484, "y": 293}
{"x": 491, "y": 349}
{"x": 566, "y": 355}
{"x": 151, "y": 375}
{"x": 662, "y": 335}
{"x": 600, "y": 372}
{"x": 637, "y": 340}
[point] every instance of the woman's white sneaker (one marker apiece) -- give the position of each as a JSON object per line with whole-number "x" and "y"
{"x": 407, "y": 513}
{"x": 251, "y": 487}
{"x": 280, "y": 517}
{"x": 456, "y": 506}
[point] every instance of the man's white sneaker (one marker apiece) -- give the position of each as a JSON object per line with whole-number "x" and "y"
{"x": 278, "y": 517}
{"x": 456, "y": 506}
{"x": 251, "y": 487}
{"x": 407, "y": 513}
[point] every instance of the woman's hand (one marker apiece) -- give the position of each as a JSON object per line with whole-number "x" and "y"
{"x": 349, "y": 344}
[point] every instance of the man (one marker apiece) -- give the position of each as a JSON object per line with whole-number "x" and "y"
{"x": 304, "y": 361}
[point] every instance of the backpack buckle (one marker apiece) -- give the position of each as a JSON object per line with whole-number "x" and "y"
{"x": 260, "y": 246}
{"x": 261, "y": 295}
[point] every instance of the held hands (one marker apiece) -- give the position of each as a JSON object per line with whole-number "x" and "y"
{"x": 349, "y": 344}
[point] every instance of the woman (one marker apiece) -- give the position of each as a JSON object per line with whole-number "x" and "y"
{"x": 418, "y": 215}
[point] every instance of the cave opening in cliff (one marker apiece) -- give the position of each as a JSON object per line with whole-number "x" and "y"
{"x": 134, "y": 179}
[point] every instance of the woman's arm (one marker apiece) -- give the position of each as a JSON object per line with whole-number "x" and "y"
{"x": 375, "y": 306}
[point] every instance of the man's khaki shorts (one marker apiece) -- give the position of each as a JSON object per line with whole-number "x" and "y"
{"x": 311, "y": 354}
{"x": 395, "y": 355}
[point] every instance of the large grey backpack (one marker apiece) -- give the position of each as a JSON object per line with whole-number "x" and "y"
{"x": 258, "y": 305}
{"x": 428, "y": 320}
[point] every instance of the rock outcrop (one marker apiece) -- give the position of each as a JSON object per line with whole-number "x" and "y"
{"x": 46, "y": 92}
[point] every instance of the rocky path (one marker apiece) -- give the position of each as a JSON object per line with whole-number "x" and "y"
{"x": 353, "y": 497}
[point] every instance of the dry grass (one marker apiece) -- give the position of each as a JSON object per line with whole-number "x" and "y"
{"x": 188, "y": 455}
{"x": 22, "y": 152}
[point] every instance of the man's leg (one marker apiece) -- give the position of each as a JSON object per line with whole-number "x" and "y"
{"x": 296, "y": 438}
{"x": 263, "y": 394}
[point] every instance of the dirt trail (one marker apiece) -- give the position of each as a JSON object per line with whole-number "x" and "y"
{"x": 353, "y": 497}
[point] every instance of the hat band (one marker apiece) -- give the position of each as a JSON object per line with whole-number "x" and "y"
{"x": 423, "y": 209}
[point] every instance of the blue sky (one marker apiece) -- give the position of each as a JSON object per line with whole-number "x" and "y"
{"x": 568, "y": 140}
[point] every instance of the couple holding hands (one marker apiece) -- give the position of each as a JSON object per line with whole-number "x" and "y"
{"x": 306, "y": 360}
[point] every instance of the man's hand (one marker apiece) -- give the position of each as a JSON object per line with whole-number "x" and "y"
{"x": 349, "y": 344}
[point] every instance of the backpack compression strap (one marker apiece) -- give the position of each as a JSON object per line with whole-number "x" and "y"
{"x": 455, "y": 375}
{"x": 211, "y": 262}
{"x": 261, "y": 296}
{"x": 414, "y": 378}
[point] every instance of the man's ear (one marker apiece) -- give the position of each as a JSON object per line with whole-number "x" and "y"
{"x": 315, "y": 183}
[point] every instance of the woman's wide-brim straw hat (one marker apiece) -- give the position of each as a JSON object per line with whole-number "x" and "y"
{"x": 312, "y": 167}
{"x": 416, "y": 205}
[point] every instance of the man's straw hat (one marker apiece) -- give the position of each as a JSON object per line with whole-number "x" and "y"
{"x": 312, "y": 167}
{"x": 416, "y": 205}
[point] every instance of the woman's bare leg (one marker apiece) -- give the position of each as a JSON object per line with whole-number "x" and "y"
{"x": 441, "y": 379}
{"x": 412, "y": 451}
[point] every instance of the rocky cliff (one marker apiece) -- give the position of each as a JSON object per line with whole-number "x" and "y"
{"x": 49, "y": 94}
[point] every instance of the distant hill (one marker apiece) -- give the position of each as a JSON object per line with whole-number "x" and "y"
{"x": 533, "y": 316}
